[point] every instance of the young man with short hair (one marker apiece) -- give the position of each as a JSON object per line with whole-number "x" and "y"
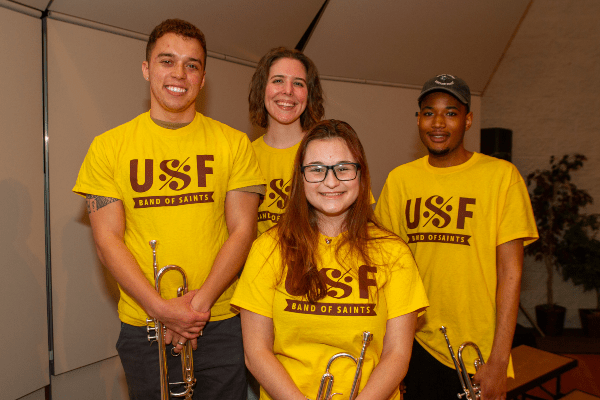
{"x": 466, "y": 217}
{"x": 193, "y": 184}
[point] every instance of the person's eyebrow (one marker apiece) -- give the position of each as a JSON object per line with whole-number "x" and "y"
{"x": 325, "y": 165}
{"x": 283, "y": 76}
{"x": 172, "y": 55}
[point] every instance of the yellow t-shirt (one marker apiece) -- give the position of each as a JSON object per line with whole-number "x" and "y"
{"x": 307, "y": 336}
{"x": 173, "y": 185}
{"x": 453, "y": 219}
{"x": 276, "y": 166}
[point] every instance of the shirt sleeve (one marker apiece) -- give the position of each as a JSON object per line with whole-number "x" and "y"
{"x": 96, "y": 175}
{"x": 245, "y": 170}
{"x": 515, "y": 219}
{"x": 256, "y": 288}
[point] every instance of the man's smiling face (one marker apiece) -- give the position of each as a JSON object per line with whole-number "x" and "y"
{"x": 176, "y": 75}
{"x": 442, "y": 123}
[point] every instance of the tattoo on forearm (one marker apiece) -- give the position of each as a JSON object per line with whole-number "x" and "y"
{"x": 94, "y": 203}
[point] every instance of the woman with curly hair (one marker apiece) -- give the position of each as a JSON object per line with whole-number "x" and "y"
{"x": 286, "y": 99}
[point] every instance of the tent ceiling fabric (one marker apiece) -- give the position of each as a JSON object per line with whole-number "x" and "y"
{"x": 244, "y": 29}
{"x": 408, "y": 42}
{"x": 396, "y": 41}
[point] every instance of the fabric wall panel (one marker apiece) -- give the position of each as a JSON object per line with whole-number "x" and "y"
{"x": 94, "y": 83}
{"x": 104, "y": 380}
{"x": 24, "y": 365}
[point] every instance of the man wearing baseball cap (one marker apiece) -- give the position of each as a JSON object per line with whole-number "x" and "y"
{"x": 466, "y": 217}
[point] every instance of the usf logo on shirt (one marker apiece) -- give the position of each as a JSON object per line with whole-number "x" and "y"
{"x": 438, "y": 212}
{"x": 277, "y": 196}
{"x": 339, "y": 286}
{"x": 175, "y": 175}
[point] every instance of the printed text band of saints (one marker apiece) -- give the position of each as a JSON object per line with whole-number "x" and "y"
{"x": 341, "y": 309}
{"x": 268, "y": 216}
{"x": 170, "y": 201}
{"x": 452, "y": 238}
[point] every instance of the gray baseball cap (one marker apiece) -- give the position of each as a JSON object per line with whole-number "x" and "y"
{"x": 448, "y": 83}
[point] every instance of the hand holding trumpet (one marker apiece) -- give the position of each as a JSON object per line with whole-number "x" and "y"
{"x": 159, "y": 326}
{"x": 491, "y": 378}
{"x": 183, "y": 323}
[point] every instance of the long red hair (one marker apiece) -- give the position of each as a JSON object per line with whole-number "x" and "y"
{"x": 297, "y": 230}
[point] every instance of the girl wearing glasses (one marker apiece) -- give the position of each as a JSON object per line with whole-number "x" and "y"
{"x": 285, "y": 98}
{"x": 324, "y": 275}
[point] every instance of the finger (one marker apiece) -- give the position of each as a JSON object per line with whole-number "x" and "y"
{"x": 194, "y": 343}
{"x": 169, "y": 336}
{"x": 178, "y": 345}
{"x": 191, "y": 336}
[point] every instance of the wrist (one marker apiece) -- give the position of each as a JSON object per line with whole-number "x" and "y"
{"x": 156, "y": 307}
{"x": 498, "y": 359}
{"x": 200, "y": 303}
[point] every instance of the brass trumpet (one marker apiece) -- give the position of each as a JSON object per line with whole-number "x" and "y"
{"x": 326, "y": 385}
{"x": 471, "y": 390}
{"x": 159, "y": 330}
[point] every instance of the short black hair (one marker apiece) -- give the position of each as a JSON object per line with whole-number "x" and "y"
{"x": 178, "y": 27}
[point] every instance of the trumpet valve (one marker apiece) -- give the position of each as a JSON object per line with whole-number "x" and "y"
{"x": 151, "y": 329}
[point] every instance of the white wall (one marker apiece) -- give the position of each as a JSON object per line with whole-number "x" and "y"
{"x": 546, "y": 91}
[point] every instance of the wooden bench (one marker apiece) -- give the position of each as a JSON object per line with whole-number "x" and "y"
{"x": 535, "y": 367}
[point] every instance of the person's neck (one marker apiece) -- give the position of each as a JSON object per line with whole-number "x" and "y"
{"x": 184, "y": 117}
{"x": 450, "y": 160}
{"x": 331, "y": 226}
{"x": 281, "y": 136}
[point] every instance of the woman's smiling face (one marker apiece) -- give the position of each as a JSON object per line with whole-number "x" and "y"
{"x": 331, "y": 197}
{"x": 286, "y": 92}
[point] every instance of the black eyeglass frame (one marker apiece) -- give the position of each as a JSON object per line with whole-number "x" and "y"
{"x": 330, "y": 167}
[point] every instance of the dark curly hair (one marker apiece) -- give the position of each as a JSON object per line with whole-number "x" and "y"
{"x": 178, "y": 27}
{"x": 314, "y": 108}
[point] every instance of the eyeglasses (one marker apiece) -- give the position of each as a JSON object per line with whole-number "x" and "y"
{"x": 317, "y": 173}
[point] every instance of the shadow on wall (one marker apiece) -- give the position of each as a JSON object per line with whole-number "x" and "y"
{"x": 90, "y": 296}
{"x": 23, "y": 284}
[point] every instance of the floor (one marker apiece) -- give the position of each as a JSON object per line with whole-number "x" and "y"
{"x": 586, "y": 377}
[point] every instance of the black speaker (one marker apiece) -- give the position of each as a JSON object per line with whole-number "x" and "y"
{"x": 497, "y": 142}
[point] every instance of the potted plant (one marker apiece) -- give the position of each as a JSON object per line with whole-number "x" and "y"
{"x": 579, "y": 260}
{"x": 557, "y": 205}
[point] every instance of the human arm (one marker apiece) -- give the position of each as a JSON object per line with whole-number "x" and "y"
{"x": 392, "y": 367}
{"x": 257, "y": 331}
{"x": 241, "y": 209}
{"x": 509, "y": 267}
{"x": 240, "y": 217}
{"x": 107, "y": 218}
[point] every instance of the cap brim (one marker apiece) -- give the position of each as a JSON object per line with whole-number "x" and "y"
{"x": 443, "y": 89}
